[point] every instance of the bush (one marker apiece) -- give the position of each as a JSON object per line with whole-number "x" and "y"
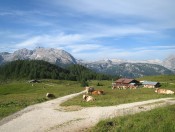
{"x": 84, "y": 83}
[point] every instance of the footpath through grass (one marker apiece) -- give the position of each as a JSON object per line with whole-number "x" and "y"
{"x": 157, "y": 120}
{"x": 17, "y": 95}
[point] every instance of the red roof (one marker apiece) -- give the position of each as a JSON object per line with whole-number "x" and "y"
{"x": 124, "y": 80}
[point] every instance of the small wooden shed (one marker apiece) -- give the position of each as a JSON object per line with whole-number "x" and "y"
{"x": 149, "y": 84}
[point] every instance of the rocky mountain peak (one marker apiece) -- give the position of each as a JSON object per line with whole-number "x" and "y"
{"x": 55, "y": 56}
{"x": 169, "y": 62}
{"x": 52, "y": 55}
{"x": 22, "y": 54}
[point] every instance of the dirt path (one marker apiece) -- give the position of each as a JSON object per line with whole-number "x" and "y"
{"x": 49, "y": 116}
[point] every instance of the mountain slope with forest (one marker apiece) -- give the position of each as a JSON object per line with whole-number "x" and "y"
{"x": 38, "y": 69}
{"x": 117, "y": 67}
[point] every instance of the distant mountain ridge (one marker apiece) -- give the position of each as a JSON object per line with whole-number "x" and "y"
{"x": 125, "y": 68}
{"x": 54, "y": 56}
{"x": 132, "y": 70}
{"x": 169, "y": 62}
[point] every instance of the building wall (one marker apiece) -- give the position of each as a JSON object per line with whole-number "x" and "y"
{"x": 148, "y": 86}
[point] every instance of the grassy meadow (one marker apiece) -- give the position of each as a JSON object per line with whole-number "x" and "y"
{"x": 17, "y": 95}
{"x": 115, "y": 97}
{"x": 157, "y": 120}
{"x": 161, "y": 78}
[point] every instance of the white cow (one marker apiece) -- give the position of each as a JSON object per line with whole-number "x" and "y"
{"x": 88, "y": 98}
{"x": 164, "y": 91}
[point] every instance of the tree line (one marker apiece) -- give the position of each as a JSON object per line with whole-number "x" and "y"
{"x": 39, "y": 69}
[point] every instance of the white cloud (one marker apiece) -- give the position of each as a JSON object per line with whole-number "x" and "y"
{"x": 58, "y": 40}
{"x": 160, "y": 12}
{"x": 144, "y": 53}
{"x": 118, "y": 31}
{"x": 84, "y": 47}
{"x": 32, "y": 42}
{"x": 77, "y": 45}
{"x": 162, "y": 47}
{"x": 95, "y": 21}
{"x": 149, "y": 8}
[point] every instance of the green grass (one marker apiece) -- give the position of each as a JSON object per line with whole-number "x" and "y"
{"x": 160, "y": 78}
{"x": 157, "y": 120}
{"x": 115, "y": 97}
{"x": 17, "y": 95}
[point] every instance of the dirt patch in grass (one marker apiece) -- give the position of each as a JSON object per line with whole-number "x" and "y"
{"x": 70, "y": 108}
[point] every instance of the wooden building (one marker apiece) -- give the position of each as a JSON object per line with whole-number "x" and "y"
{"x": 124, "y": 83}
{"x": 149, "y": 84}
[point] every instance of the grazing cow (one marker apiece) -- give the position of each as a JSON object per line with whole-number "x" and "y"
{"x": 132, "y": 87}
{"x": 49, "y": 95}
{"x": 89, "y": 89}
{"x": 124, "y": 87}
{"x": 88, "y": 98}
{"x": 117, "y": 86}
{"x": 98, "y": 92}
{"x": 113, "y": 87}
{"x": 164, "y": 91}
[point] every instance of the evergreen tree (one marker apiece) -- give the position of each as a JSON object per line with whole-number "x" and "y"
{"x": 38, "y": 69}
{"x": 84, "y": 83}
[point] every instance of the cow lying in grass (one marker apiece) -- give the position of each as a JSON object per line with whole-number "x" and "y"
{"x": 88, "y": 98}
{"x": 164, "y": 91}
{"x": 98, "y": 92}
{"x": 89, "y": 90}
{"x": 50, "y": 96}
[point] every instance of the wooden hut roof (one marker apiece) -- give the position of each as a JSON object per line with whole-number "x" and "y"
{"x": 125, "y": 80}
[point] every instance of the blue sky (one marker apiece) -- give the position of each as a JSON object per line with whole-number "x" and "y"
{"x": 90, "y": 29}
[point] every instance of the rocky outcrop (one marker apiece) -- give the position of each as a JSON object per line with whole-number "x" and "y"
{"x": 54, "y": 56}
{"x": 169, "y": 62}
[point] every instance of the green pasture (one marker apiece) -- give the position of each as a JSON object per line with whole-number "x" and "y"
{"x": 115, "y": 97}
{"x": 160, "y": 78}
{"x": 17, "y": 95}
{"x": 157, "y": 120}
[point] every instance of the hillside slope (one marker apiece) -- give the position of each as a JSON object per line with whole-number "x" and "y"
{"x": 38, "y": 69}
{"x": 31, "y": 69}
{"x": 131, "y": 70}
{"x": 117, "y": 67}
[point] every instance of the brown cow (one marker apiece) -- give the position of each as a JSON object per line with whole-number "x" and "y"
{"x": 164, "y": 91}
{"x": 98, "y": 92}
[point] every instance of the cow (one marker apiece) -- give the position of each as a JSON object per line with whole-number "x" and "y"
{"x": 98, "y": 92}
{"x": 49, "y": 95}
{"x": 88, "y": 98}
{"x": 113, "y": 87}
{"x": 89, "y": 90}
{"x": 132, "y": 87}
{"x": 164, "y": 91}
{"x": 117, "y": 87}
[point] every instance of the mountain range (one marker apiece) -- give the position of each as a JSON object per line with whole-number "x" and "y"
{"x": 125, "y": 68}
{"x": 54, "y": 56}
